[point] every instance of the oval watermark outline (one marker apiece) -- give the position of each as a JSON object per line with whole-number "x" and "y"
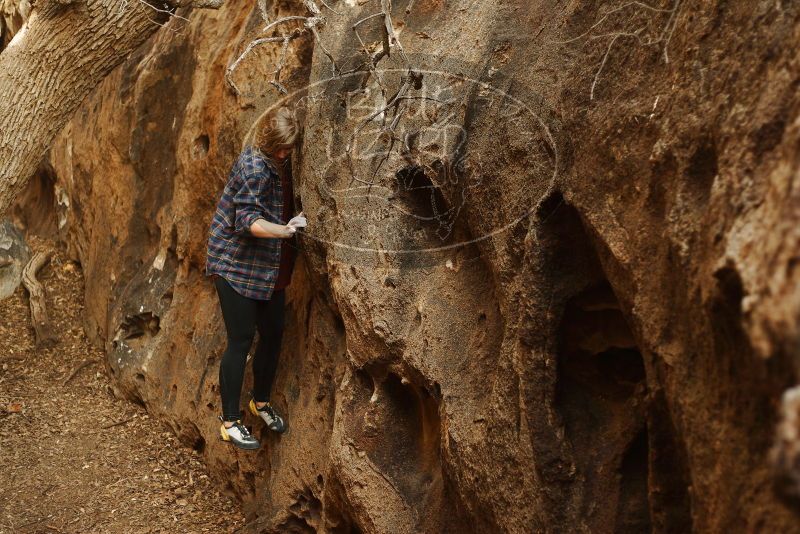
{"x": 557, "y": 161}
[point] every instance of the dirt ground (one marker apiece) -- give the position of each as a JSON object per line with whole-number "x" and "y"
{"x": 75, "y": 459}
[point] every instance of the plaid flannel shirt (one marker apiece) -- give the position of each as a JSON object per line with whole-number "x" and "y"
{"x": 250, "y": 264}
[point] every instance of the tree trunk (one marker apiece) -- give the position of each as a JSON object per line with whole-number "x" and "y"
{"x": 51, "y": 65}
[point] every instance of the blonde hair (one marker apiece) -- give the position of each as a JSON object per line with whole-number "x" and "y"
{"x": 277, "y": 129}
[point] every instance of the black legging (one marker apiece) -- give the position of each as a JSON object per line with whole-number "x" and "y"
{"x": 242, "y": 316}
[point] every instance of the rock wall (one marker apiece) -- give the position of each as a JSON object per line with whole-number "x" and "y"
{"x": 552, "y": 286}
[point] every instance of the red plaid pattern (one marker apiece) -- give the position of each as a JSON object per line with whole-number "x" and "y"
{"x": 250, "y": 264}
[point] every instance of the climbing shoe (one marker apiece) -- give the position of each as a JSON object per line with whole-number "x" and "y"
{"x": 238, "y": 435}
{"x": 267, "y": 413}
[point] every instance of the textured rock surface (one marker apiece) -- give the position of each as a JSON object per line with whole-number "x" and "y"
{"x": 14, "y": 256}
{"x": 578, "y": 313}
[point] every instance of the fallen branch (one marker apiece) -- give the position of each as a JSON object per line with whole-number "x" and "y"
{"x": 119, "y": 422}
{"x": 41, "y": 326}
{"x": 75, "y": 371}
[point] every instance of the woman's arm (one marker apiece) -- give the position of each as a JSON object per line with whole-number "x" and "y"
{"x": 250, "y": 209}
{"x": 247, "y": 201}
{"x": 264, "y": 228}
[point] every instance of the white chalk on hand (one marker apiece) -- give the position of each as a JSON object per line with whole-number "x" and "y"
{"x": 298, "y": 221}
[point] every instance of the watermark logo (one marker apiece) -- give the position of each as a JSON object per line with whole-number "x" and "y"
{"x": 404, "y": 162}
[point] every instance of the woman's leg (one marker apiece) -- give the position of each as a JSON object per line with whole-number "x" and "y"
{"x": 239, "y": 314}
{"x": 270, "y": 332}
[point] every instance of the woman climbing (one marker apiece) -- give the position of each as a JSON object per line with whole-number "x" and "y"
{"x": 250, "y": 258}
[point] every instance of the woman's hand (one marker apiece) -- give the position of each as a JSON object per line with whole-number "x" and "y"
{"x": 298, "y": 221}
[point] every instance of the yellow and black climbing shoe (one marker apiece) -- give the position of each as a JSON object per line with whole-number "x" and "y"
{"x": 269, "y": 415}
{"x": 238, "y": 435}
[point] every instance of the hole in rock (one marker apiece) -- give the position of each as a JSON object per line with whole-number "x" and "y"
{"x": 769, "y": 136}
{"x": 601, "y": 382}
{"x": 137, "y": 329}
{"x": 341, "y": 526}
{"x": 423, "y": 200}
{"x": 734, "y": 358}
{"x": 297, "y": 525}
{"x": 338, "y": 323}
{"x": 726, "y": 317}
{"x": 305, "y": 513}
{"x": 400, "y": 432}
{"x": 669, "y": 470}
{"x": 600, "y": 372}
{"x": 36, "y": 208}
{"x": 407, "y": 448}
{"x": 702, "y": 170}
{"x": 250, "y": 479}
{"x": 201, "y": 145}
{"x": 364, "y": 380}
{"x": 731, "y": 291}
{"x": 633, "y": 513}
